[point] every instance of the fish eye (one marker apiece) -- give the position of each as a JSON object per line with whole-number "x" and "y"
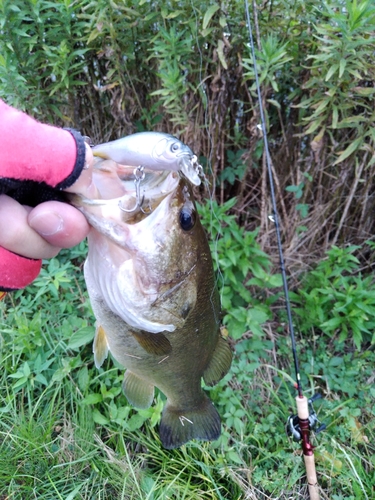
{"x": 187, "y": 218}
{"x": 175, "y": 147}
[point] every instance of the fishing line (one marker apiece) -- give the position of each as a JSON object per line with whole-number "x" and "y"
{"x": 274, "y": 208}
{"x": 211, "y": 192}
{"x": 300, "y": 425}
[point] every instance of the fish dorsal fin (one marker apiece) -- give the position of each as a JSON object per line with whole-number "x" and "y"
{"x": 153, "y": 343}
{"x": 139, "y": 393}
{"x": 219, "y": 364}
{"x": 100, "y": 347}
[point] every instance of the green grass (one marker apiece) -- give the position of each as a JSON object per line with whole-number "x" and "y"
{"x": 67, "y": 432}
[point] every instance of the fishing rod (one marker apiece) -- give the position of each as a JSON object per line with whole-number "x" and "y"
{"x": 299, "y": 426}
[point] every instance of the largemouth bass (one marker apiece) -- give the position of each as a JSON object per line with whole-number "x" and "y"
{"x": 151, "y": 284}
{"x": 154, "y": 151}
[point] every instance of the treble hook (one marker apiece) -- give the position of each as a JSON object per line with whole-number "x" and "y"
{"x": 198, "y": 167}
{"x": 139, "y": 175}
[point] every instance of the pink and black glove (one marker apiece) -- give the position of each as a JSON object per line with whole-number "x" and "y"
{"x": 37, "y": 161}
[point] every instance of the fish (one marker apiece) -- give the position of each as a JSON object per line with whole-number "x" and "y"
{"x": 151, "y": 283}
{"x": 152, "y": 150}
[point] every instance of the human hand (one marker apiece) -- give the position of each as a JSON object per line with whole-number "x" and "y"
{"x": 41, "y": 232}
{"x": 37, "y": 162}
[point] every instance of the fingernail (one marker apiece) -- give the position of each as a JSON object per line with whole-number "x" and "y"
{"x": 46, "y": 224}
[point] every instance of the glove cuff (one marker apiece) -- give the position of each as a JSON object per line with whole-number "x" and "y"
{"x": 80, "y": 160}
{"x": 16, "y": 271}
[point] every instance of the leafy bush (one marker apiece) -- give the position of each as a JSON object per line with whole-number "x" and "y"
{"x": 244, "y": 271}
{"x": 113, "y": 68}
{"x": 335, "y": 299}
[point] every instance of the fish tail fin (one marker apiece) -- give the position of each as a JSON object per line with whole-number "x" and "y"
{"x": 178, "y": 426}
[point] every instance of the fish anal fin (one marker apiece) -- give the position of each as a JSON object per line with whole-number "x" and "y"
{"x": 219, "y": 364}
{"x": 153, "y": 343}
{"x": 100, "y": 346}
{"x": 138, "y": 392}
{"x": 178, "y": 426}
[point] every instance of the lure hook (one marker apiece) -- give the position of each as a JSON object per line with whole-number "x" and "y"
{"x": 139, "y": 175}
{"x": 198, "y": 167}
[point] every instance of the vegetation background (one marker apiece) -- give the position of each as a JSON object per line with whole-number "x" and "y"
{"x": 111, "y": 68}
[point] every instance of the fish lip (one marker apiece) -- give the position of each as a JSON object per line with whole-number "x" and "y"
{"x": 89, "y": 202}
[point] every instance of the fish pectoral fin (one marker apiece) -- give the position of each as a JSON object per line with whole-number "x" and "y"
{"x": 138, "y": 392}
{"x": 100, "y": 347}
{"x": 153, "y": 343}
{"x": 178, "y": 426}
{"x": 219, "y": 364}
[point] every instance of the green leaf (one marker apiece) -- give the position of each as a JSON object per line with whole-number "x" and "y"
{"x": 238, "y": 425}
{"x": 342, "y": 67}
{"x": 275, "y": 280}
{"x": 83, "y": 379}
{"x": 303, "y": 209}
{"x": 351, "y": 121}
{"x": 223, "y": 21}
{"x": 73, "y": 494}
{"x": 335, "y": 116}
{"x": 332, "y": 70}
{"x": 354, "y": 146}
{"x": 208, "y": 15}
{"x": 314, "y": 125}
{"x": 220, "y": 53}
{"x": 26, "y": 369}
{"x": 22, "y": 381}
{"x": 41, "y": 379}
{"x": 236, "y": 329}
{"x": 93, "y": 36}
{"x": 135, "y": 422}
{"x": 256, "y": 329}
{"x": 174, "y": 14}
{"x": 355, "y": 73}
{"x": 365, "y": 91}
{"x": 99, "y": 418}
{"x": 331, "y": 324}
{"x": 357, "y": 338}
{"x": 274, "y": 103}
{"x": 92, "y": 399}
{"x": 81, "y": 337}
{"x": 256, "y": 314}
{"x": 232, "y": 256}
{"x": 207, "y": 32}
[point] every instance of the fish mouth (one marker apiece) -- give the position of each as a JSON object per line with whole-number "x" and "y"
{"x": 140, "y": 198}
